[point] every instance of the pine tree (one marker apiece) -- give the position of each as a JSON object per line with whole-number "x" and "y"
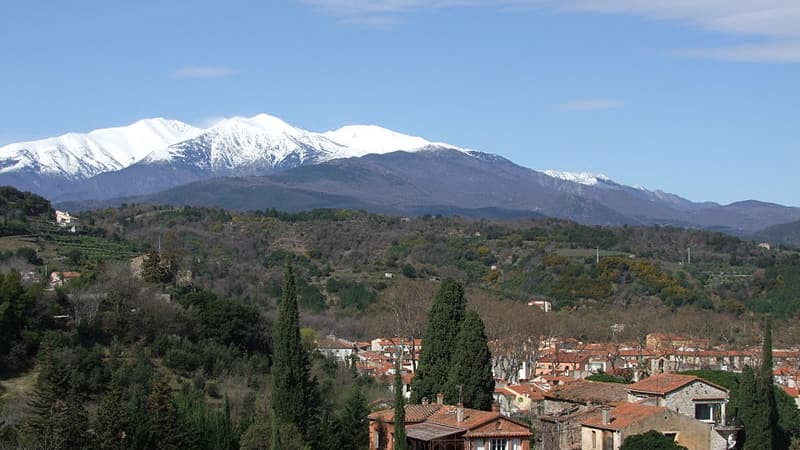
{"x": 353, "y": 427}
{"x": 166, "y": 430}
{"x": 471, "y": 380}
{"x": 400, "y": 442}
{"x": 112, "y": 419}
{"x": 60, "y": 422}
{"x": 294, "y": 391}
{"x": 444, "y": 324}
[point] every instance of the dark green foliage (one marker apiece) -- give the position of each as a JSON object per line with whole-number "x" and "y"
{"x": 355, "y": 296}
{"x": 399, "y": 409}
{"x": 470, "y": 380}
{"x": 757, "y": 407}
{"x": 19, "y": 331}
{"x": 607, "y": 378}
{"x": 746, "y": 399}
{"x": 28, "y": 254}
{"x": 310, "y": 298}
{"x": 214, "y": 429}
{"x": 233, "y": 324}
{"x": 57, "y": 418}
{"x": 652, "y": 440}
{"x": 166, "y": 429}
{"x": 156, "y": 269}
{"x": 353, "y": 427}
{"x": 444, "y": 324}
{"x": 409, "y": 271}
{"x": 728, "y": 380}
{"x": 112, "y": 419}
{"x": 294, "y": 391}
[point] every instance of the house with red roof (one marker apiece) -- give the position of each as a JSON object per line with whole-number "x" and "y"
{"x": 439, "y": 426}
{"x": 607, "y": 428}
{"x": 684, "y": 394}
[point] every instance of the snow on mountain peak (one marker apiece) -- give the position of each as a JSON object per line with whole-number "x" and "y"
{"x": 584, "y": 178}
{"x": 79, "y": 155}
{"x": 261, "y": 142}
{"x": 364, "y": 139}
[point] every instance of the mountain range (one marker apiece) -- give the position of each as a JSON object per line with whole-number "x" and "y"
{"x": 263, "y": 162}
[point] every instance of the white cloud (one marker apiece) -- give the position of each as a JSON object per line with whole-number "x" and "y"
{"x": 771, "y": 52}
{"x": 776, "y": 20}
{"x": 591, "y": 104}
{"x": 203, "y": 72}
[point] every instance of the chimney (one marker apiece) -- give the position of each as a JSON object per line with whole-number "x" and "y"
{"x": 605, "y": 411}
{"x": 460, "y": 413}
{"x": 424, "y": 400}
{"x": 495, "y": 407}
{"x": 440, "y": 398}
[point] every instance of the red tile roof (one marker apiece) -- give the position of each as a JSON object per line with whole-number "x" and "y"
{"x": 665, "y": 383}
{"x": 624, "y": 415}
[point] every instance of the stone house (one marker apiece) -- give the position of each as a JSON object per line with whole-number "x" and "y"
{"x": 567, "y": 406}
{"x": 446, "y": 427}
{"x": 684, "y": 394}
{"x": 607, "y": 428}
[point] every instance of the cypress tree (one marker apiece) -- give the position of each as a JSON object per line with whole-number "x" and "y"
{"x": 765, "y": 415}
{"x": 444, "y": 324}
{"x": 294, "y": 391}
{"x": 471, "y": 380}
{"x": 399, "y": 408}
{"x": 747, "y": 386}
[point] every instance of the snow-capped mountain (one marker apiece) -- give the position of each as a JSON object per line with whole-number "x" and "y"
{"x": 83, "y": 155}
{"x": 156, "y": 154}
{"x": 584, "y": 178}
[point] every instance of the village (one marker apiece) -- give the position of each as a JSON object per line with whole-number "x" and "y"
{"x": 550, "y": 386}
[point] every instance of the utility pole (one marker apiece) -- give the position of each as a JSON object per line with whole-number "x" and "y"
{"x": 598, "y": 255}
{"x": 689, "y": 260}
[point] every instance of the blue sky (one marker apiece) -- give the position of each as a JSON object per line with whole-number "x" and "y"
{"x": 695, "y": 97}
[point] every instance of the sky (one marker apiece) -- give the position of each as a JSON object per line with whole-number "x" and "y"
{"x": 700, "y": 98}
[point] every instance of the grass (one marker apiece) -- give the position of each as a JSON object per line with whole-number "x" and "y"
{"x": 17, "y": 386}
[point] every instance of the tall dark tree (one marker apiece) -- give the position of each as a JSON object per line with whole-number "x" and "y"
{"x": 747, "y": 392}
{"x": 353, "y": 426}
{"x": 400, "y": 442}
{"x": 112, "y": 419}
{"x": 166, "y": 429}
{"x": 471, "y": 380}
{"x": 757, "y": 409}
{"x": 444, "y": 324}
{"x": 294, "y": 392}
{"x": 763, "y": 426}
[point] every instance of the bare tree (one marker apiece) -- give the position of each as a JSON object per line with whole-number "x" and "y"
{"x": 85, "y": 306}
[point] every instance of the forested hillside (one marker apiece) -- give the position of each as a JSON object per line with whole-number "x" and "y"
{"x": 174, "y": 307}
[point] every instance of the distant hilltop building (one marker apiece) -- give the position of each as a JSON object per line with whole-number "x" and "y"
{"x": 57, "y": 279}
{"x": 765, "y": 246}
{"x": 544, "y": 305}
{"x": 65, "y": 220}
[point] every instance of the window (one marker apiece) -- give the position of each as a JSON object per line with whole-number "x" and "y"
{"x": 707, "y": 412}
{"x": 594, "y": 439}
{"x": 499, "y": 444}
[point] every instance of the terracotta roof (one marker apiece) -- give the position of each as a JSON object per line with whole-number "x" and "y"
{"x": 582, "y": 391}
{"x": 414, "y": 413}
{"x": 531, "y": 390}
{"x": 623, "y": 416}
{"x": 427, "y": 431}
{"x": 793, "y": 392}
{"x": 446, "y": 415}
{"x": 665, "y": 383}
